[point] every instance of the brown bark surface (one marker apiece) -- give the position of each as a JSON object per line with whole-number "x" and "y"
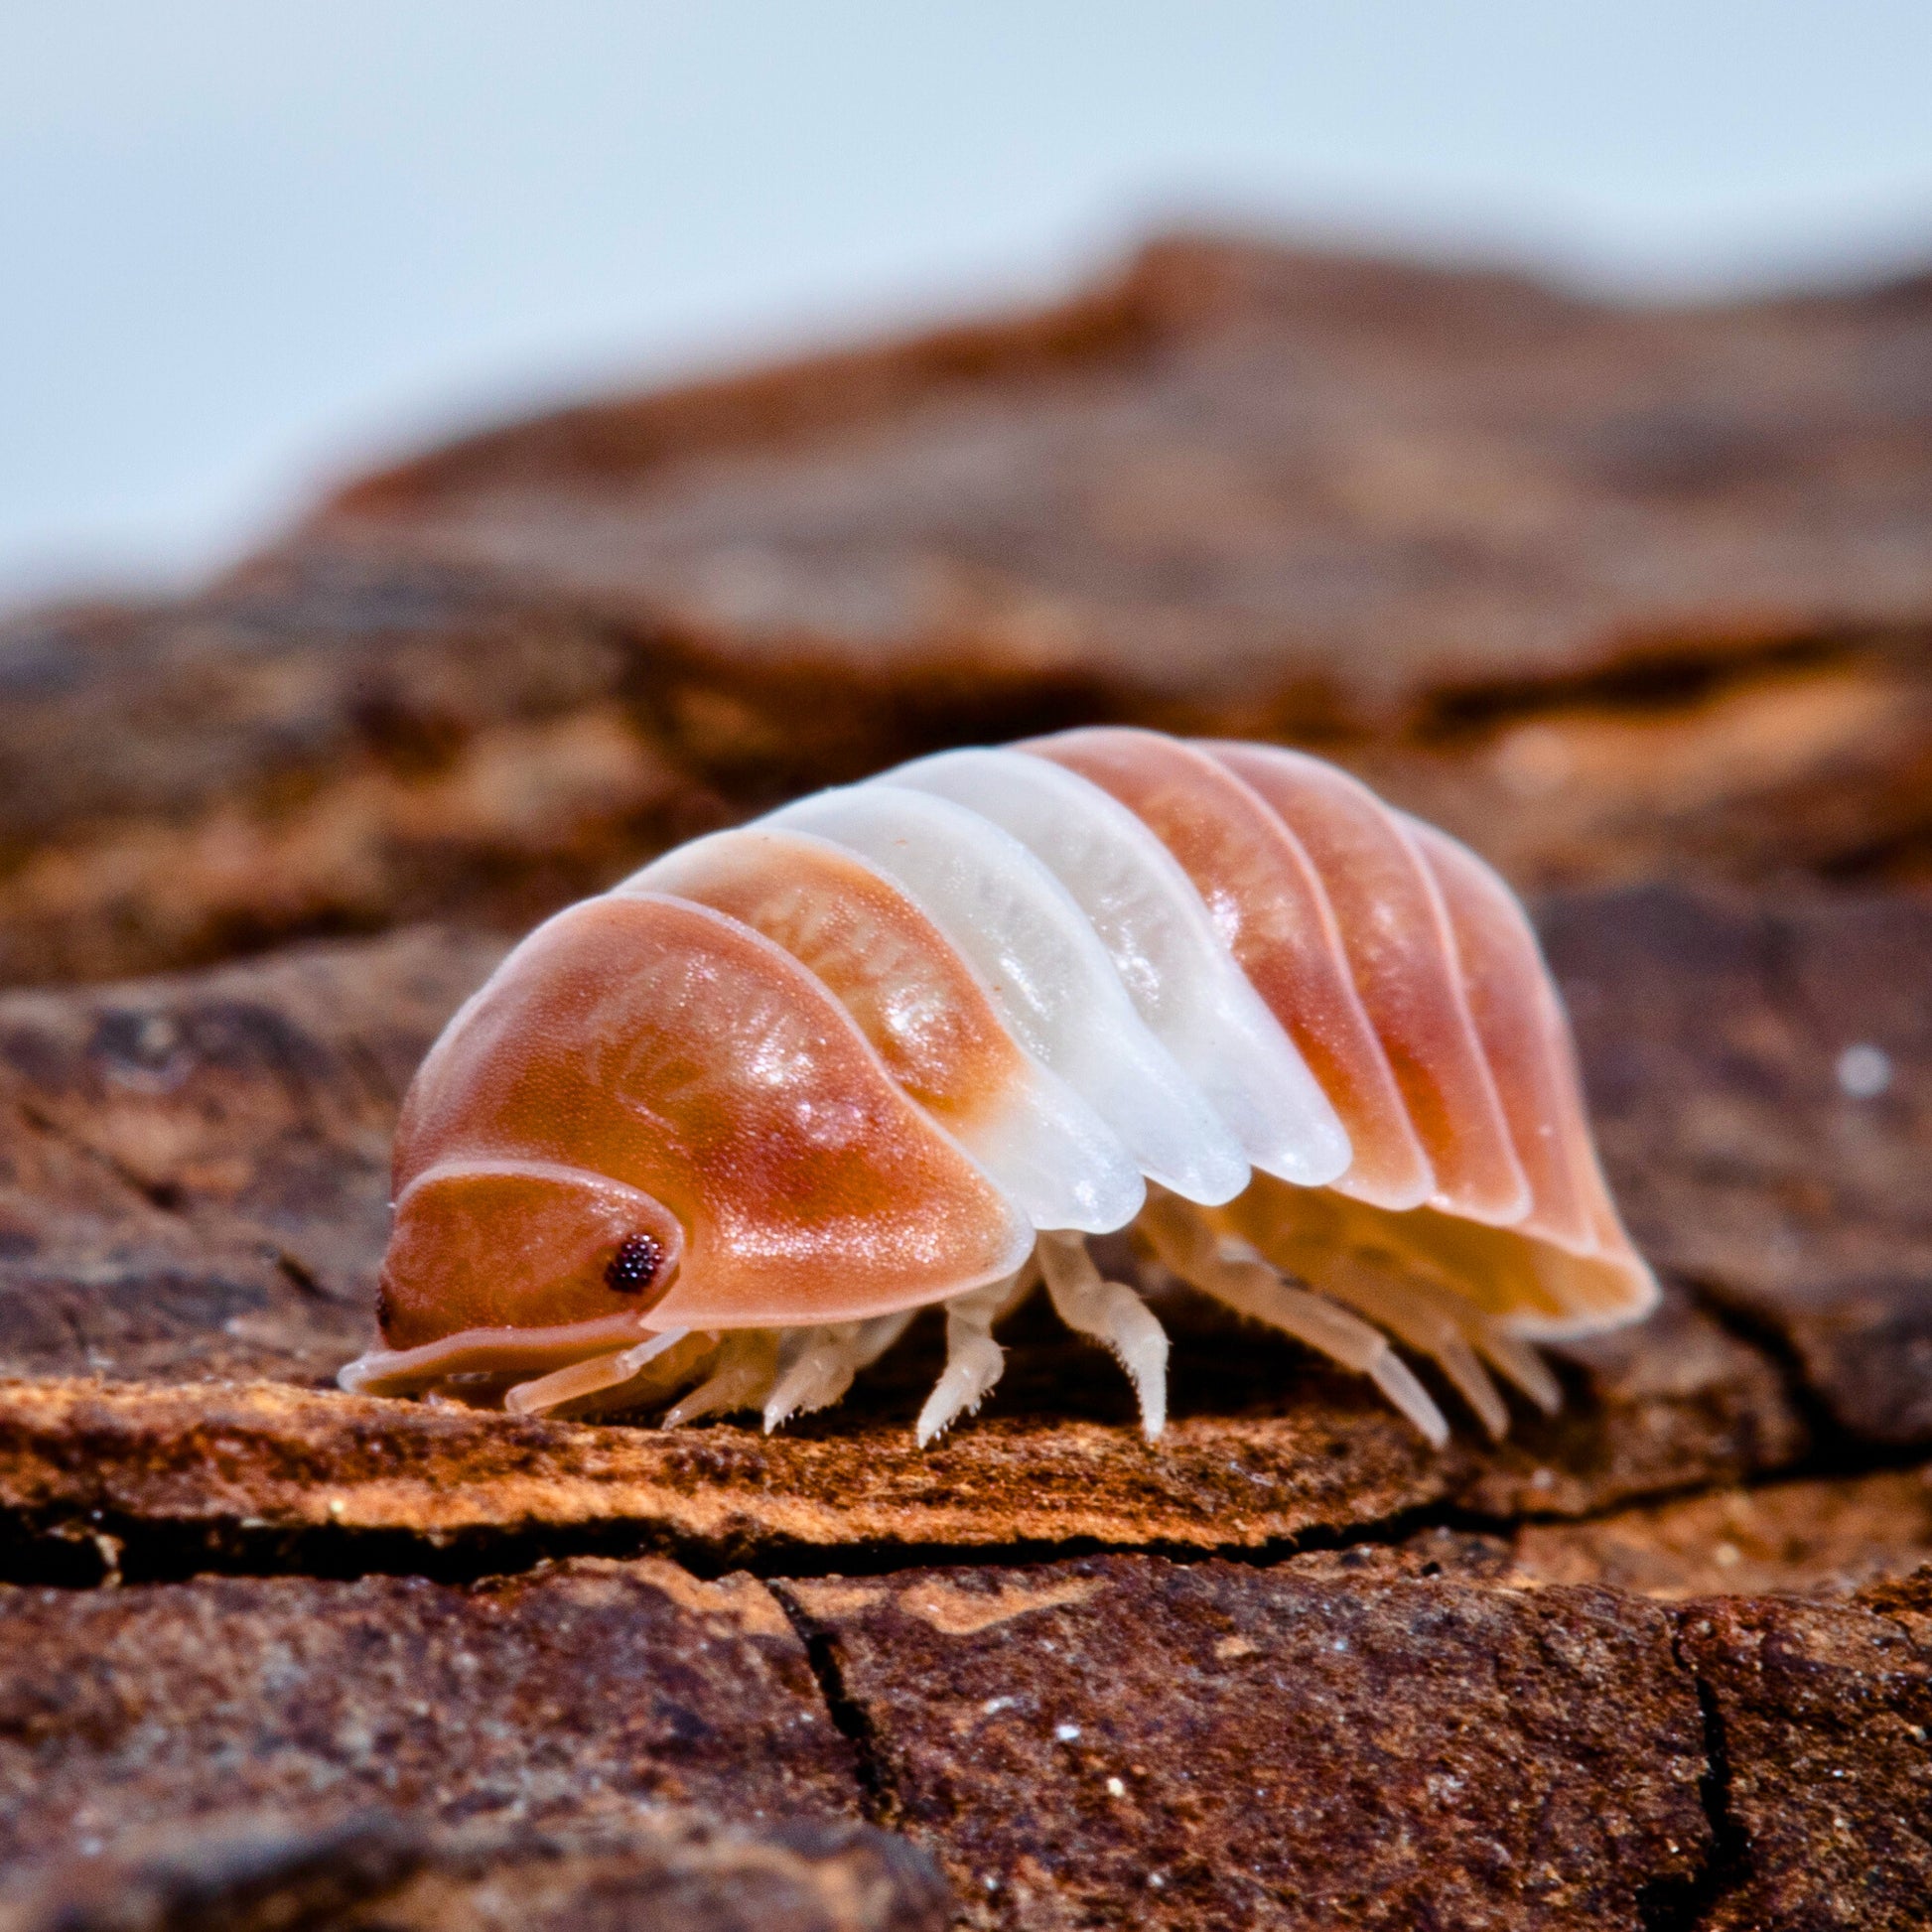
{"x": 1817, "y": 1720}
{"x": 257, "y": 1873}
{"x": 573, "y": 1691}
{"x": 1815, "y": 1536}
{"x": 1223, "y": 1745}
{"x": 223, "y": 1132}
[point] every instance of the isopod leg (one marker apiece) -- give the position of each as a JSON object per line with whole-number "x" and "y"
{"x": 746, "y": 1366}
{"x": 1191, "y": 1249}
{"x": 604, "y": 1375}
{"x": 1115, "y": 1316}
{"x": 1513, "y": 1358}
{"x": 1391, "y": 1275}
{"x": 1417, "y": 1275}
{"x": 974, "y": 1360}
{"x": 1411, "y": 1282}
{"x": 816, "y": 1365}
{"x": 1418, "y": 1319}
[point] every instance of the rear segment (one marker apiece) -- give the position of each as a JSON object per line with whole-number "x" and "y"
{"x": 1395, "y": 931}
{"x": 1586, "y": 1260}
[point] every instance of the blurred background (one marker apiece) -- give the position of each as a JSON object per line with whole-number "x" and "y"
{"x": 250, "y": 247}
{"x": 448, "y": 453}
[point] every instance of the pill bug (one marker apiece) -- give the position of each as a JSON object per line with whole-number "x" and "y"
{"x": 707, "y": 1141}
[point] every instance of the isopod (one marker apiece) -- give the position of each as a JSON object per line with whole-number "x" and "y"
{"x": 707, "y": 1141}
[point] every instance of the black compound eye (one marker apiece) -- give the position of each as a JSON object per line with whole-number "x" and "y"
{"x": 634, "y": 1266}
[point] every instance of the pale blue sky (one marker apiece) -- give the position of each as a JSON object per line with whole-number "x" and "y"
{"x": 245, "y": 244}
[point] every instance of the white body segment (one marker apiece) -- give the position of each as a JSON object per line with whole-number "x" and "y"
{"x": 1146, "y": 912}
{"x": 1061, "y": 1163}
{"x": 1048, "y": 974}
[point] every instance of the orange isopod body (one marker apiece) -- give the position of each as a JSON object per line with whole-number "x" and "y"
{"x": 709, "y": 1140}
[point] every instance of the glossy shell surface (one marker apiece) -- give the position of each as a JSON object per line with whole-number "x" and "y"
{"x": 905, "y": 1042}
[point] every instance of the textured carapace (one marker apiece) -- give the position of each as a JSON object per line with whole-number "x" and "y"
{"x": 711, "y": 1139}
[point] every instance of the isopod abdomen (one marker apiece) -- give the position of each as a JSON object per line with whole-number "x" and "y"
{"x": 707, "y": 1141}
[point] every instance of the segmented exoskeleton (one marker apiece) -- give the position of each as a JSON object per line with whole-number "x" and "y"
{"x": 711, "y": 1139}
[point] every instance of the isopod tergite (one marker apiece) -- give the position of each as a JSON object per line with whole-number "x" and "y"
{"x": 709, "y": 1140}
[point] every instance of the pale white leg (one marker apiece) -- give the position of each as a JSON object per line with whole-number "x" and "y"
{"x": 1112, "y": 1314}
{"x": 593, "y": 1377}
{"x": 818, "y": 1366}
{"x": 1415, "y": 1318}
{"x": 1246, "y": 1284}
{"x": 746, "y": 1368}
{"x": 1510, "y": 1356}
{"x": 1513, "y": 1357}
{"x": 974, "y": 1360}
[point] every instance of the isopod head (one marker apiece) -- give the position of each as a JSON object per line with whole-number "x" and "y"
{"x": 509, "y": 1244}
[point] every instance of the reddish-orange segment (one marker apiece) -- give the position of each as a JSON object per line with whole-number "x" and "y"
{"x": 1527, "y": 1041}
{"x": 905, "y": 987}
{"x": 1396, "y": 930}
{"x": 1270, "y": 908}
